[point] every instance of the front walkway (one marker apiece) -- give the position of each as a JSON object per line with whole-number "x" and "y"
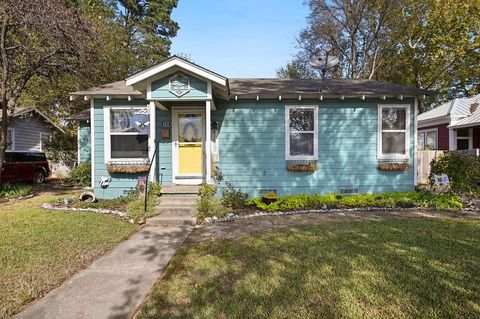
{"x": 116, "y": 284}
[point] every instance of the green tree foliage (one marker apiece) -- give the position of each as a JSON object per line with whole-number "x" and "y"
{"x": 147, "y": 28}
{"x": 428, "y": 44}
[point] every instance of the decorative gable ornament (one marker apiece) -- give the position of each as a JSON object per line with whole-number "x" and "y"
{"x": 179, "y": 85}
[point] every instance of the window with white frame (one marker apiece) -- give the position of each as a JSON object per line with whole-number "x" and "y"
{"x": 393, "y": 131}
{"x": 427, "y": 140}
{"x": 127, "y": 133}
{"x": 463, "y": 139}
{"x": 44, "y": 138}
{"x": 11, "y": 139}
{"x": 301, "y": 132}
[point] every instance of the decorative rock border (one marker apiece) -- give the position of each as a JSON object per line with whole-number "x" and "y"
{"x": 74, "y": 209}
{"x": 232, "y": 217}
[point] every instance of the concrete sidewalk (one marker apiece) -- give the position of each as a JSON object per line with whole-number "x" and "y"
{"x": 116, "y": 284}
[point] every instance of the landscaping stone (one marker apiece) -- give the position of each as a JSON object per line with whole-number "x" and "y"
{"x": 49, "y": 206}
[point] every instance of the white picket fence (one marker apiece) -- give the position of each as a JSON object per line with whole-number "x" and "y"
{"x": 424, "y": 158}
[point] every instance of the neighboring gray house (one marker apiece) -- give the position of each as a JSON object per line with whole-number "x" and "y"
{"x": 28, "y": 130}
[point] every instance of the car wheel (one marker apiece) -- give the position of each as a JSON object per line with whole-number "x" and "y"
{"x": 39, "y": 177}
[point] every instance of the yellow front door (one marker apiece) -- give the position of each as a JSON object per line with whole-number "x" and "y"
{"x": 190, "y": 144}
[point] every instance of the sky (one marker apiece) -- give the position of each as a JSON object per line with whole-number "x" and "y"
{"x": 239, "y": 38}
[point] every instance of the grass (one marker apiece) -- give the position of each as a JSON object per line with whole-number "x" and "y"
{"x": 40, "y": 249}
{"x": 383, "y": 268}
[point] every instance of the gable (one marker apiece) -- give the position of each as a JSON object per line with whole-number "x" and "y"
{"x": 179, "y": 86}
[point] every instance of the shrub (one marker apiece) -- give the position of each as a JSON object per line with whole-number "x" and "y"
{"x": 81, "y": 175}
{"x": 232, "y": 197}
{"x": 208, "y": 205}
{"x": 136, "y": 206}
{"x": 386, "y": 200}
{"x": 463, "y": 171}
{"x": 14, "y": 190}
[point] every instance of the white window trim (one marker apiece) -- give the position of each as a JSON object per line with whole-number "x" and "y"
{"x": 12, "y": 134}
{"x": 398, "y": 156}
{"x": 425, "y": 136}
{"x": 107, "y": 134}
{"x": 289, "y": 157}
{"x": 469, "y": 138}
{"x": 41, "y": 140}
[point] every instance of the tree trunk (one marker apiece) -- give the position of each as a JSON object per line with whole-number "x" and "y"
{"x": 4, "y": 120}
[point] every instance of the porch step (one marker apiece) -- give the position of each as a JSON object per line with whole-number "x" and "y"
{"x": 179, "y": 189}
{"x": 178, "y": 201}
{"x": 171, "y": 221}
{"x": 176, "y": 208}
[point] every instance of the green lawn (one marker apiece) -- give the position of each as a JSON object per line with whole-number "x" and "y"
{"x": 385, "y": 268}
{"x": 40, "y": 249}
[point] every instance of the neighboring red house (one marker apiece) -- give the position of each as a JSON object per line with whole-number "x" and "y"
{"x": 454, "y": 125}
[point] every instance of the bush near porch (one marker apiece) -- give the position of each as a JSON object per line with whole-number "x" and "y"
{"x": 463, "y": 171}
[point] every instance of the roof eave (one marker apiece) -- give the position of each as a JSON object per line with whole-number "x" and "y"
{"x": 179, "y": 62}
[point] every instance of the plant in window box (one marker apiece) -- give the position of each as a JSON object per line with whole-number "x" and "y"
{"x": 302, "y": 167}
{"x": 394, "y": 166}
{"x": 127, "y": 168}
{"x": 269, "y": 198}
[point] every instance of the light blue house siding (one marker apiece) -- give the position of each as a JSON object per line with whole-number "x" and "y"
{"x": 120, "y": 184}
{"x": 252, "y": 148}
{"x": 84, "y": 151}
{"x": 198, "y": 89}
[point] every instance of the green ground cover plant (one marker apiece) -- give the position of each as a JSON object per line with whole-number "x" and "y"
{"x": 8, "y": 191}
{"x": 39, "y": 249}
{"x": 382, "y": 268}
{"x": 385, "y": 200}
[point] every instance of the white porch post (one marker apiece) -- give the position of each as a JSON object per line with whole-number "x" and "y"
{"x": 151, "y": 141}
{"x": 452, "y": 136}
{"x": 208, "y": 137}
{"x": 470, "y": 138}
{"x": 415, "y": 141}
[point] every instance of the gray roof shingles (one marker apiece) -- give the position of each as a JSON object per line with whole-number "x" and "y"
{"x": 337, "y": 86}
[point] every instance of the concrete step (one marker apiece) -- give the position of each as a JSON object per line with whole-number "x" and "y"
{"x": 175, "y": 210}
{"x": 171, "y": 221}
{"x": 179, "y": 189}
{"x": 175, "y": 200}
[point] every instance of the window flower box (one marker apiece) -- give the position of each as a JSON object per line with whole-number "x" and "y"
{"x": 309, "y": 167}
{"x": 115, "y": 168}
{"x": 394, "y": 165}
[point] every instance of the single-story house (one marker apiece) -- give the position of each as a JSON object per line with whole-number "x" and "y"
{"x": 263, "y": 135}
{"x": 28, "y": 130}
{"x": 454, "y": 125}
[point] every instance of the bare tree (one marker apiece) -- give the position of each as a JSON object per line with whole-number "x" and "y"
{"x": 354, "y": 30}
{"x": 37, "y": 38}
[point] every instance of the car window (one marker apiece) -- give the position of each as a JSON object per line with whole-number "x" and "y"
{"x": 8, "y": 157}
{"x": 19, "y": 157}
{"x": 38, "y": 157}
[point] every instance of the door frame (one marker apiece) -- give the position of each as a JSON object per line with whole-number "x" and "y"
{"x": 175, "y": 175}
